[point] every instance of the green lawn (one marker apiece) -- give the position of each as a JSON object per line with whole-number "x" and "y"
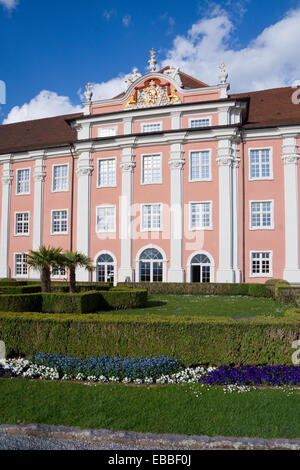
{"x": 159, "y": 409}
{"x": 203, "y": 305}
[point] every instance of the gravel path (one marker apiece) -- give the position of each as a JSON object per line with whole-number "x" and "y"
{"x": 19, "y": 442}
{"x": 44, "y": 437}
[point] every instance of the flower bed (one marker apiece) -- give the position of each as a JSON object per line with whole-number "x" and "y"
{"x": 277, "y": 376}
{"x": 156, "y": 370}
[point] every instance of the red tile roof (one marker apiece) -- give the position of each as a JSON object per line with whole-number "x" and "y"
{"x": 40, "y": 133}
{"x": 271, "y": 107}
{"x": 266, "y": 108}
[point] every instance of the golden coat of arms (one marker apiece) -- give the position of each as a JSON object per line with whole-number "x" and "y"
{"x": 152, "y": 94}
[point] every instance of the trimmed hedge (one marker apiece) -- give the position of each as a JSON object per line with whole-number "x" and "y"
{"x": 256, "y": 290}
{"x": 20, "y": 289}
{"x": 13, "y": 282}
{"x": 80, "y": 286}
{"x": 292, "y": 312}
{"x": 85, "y": 302}
{"x": 195, "y": 341}
{"x": 277, "y": 282}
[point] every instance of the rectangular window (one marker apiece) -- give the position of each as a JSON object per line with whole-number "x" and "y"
{"x": 106, "y": 219}
{"x": 60, "y": 221}
{"x": 200, "y": 215}
{"x": 152, "y": 127}
{"x": 106, "y": 172}
{"x": 205, "y": 122}
{"x": 200, "y": 166}
{"x": 60, "y": 178}
{"x": 22, "y": 223}
{"x": 107, "y": 131}
{"x": 23, "y": 181}
{"x": 58, "y": 272}
{"x": 261, "y": 216}
{"x": 260, "y": 164}
{"x": 151, "y": 169}
{"x": 261, "y": 263}
{"x": 151, "y": 217}
{"x": 21, "y": 268}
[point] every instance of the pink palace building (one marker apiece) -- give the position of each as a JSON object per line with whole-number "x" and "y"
{"x": 172, "y": 180}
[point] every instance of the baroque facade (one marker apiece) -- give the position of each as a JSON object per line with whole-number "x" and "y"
{"x": 172, "y": 180}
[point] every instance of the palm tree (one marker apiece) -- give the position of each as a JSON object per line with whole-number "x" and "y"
{"x": 43, "y": 260}
{"x": 72, "y": 260}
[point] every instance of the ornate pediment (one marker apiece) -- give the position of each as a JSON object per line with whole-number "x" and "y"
{"x": 152, "y": 93}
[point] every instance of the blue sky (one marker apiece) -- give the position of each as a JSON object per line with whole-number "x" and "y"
{"x": 50, "y": 49}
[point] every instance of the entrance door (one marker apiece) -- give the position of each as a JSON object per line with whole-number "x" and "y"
{"x": 200, "y": 268}
{"x": 105, "y": 268}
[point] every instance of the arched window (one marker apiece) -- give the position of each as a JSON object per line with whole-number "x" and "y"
{"x": 105, "y": 268}
{"x": 200, "y": 268}
{"x": 151, "y": 265}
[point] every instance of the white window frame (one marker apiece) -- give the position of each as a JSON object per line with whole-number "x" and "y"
{"x": 114, "y": 264}
{"x": 17, "y": 179}
{"x": 104, "y": 206}
{"x": 262, "y": 275}
{"x": 16, "y": 234}
{"x": 98, "y": 173}
{"x": 59, "y": 233}
{"x": 59, "y": 275}
{"x": 142, "y": 167}
{"x": 193, "y": 229}
{"x": 271, "y": 227}
{"x": 195, "y": 180}
{"x": 261, "y": 178}
{"x": 143, "y": 124}
{"x": 52, "y": 187}
{"x": 115, "y": 129}
{"x": 137, "y": 261}
{"x": 202, "y": 118}
{"x": 15, "y": 271}
{"x": 142, "y": 229}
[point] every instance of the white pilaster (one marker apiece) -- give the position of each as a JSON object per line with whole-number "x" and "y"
{"x": 176, "y": 119}
{"x": 225, "y": 159}
{"x": 83, "y": 130}
{"x": 127, "y": 122}
{"x": 127, "y": 165}
{"x": 83, "y": 171}
{"x": 235, "y": 215}
{"x": 290, "y": 158}
{"x": 38, "y": 203}
{"x": 176, "y": 162}
{"x": 5, "y": 216}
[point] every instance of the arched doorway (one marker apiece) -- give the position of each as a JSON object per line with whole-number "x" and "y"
{"x": 105, "y": 268}
{"x": 200, "y": 268}
{"x": 151, "y": 267}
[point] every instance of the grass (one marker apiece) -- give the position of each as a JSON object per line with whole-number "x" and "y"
{"x": 203, "y": 305}
{"x": 183, "y": 409}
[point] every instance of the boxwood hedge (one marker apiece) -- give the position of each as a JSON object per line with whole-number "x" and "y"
{"x": 85, "y": 302}
{"x": 255, "y": 290}
{"x": 194, "y": 340}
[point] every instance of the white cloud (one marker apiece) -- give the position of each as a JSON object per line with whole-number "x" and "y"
{"x": 109, "y": 89}
{"x": 45, "y": 104}
{"x": 269, "y": 60}
{"x": 126, "y": 20}
{"x": 9, "y": 4}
